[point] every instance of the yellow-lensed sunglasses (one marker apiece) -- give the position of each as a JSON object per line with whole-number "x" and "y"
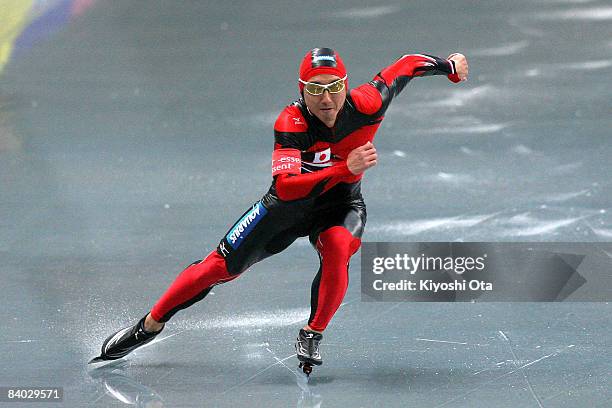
{"x": 316, "y": 89}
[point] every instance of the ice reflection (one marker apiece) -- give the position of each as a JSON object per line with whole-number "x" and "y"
{"x": 114, "y": 382}
{"x": 308, "y": 397}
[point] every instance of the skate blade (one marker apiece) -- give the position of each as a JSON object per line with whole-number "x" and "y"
{"x": 103, "y": 362}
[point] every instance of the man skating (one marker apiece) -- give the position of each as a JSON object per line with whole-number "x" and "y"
{"x": 323, "y": 146}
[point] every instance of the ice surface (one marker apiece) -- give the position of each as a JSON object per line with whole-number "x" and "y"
{"x": 133, "y": 133}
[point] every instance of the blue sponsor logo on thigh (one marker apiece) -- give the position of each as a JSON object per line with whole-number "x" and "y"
{"x": 245, "y": 225}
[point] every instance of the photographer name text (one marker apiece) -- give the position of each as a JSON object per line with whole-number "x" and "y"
{"x": 428, "y": 285}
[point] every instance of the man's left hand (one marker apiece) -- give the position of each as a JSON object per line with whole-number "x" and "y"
{"x": 461, "y": 65}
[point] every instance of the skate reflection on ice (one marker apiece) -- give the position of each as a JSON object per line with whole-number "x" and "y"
{"x": 308, "y": 397}
{"x": 124, "y": 388}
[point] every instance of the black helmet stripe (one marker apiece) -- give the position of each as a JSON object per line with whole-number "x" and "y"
{"x": 323, "y": 57}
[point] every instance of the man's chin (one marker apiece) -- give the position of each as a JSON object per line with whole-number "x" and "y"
{"x": 327, "y": 115}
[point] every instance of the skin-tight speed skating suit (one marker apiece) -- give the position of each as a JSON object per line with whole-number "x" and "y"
{"x": 313, "y": 194}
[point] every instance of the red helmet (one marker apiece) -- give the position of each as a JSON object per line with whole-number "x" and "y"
{"x": 321, "y": 61}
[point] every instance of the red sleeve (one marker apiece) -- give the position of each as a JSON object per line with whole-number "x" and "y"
{"x": 291, "y": 185}
{"x": 367, "y": 99}
{"x": 374, "y": 97}
{"x": 413, "y": 65}
{"x": 309, "y": 185}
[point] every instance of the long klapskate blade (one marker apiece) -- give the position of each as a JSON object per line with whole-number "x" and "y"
{"x": 100, "y": 360}
{"x": 102, "y": 366}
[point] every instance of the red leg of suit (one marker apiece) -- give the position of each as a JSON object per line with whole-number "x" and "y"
{"x": 335, "y": 245}
{"x": 192, "y": 285}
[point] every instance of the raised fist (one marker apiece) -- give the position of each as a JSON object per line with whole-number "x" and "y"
{"x": 361, "y": 158}
{"x": 461, "y": 65}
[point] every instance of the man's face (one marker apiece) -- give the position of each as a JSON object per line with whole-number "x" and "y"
{"x": 327, "y": 105}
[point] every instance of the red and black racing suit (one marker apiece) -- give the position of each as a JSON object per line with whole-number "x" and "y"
{"x": 313, "y": 194}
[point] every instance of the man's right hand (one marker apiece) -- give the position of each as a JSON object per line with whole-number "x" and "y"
{"x": 361, "y": 158}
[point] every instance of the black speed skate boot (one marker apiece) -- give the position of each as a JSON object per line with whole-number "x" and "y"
{"x": 307, "y": 349}
{"x": 123, "y": 342}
